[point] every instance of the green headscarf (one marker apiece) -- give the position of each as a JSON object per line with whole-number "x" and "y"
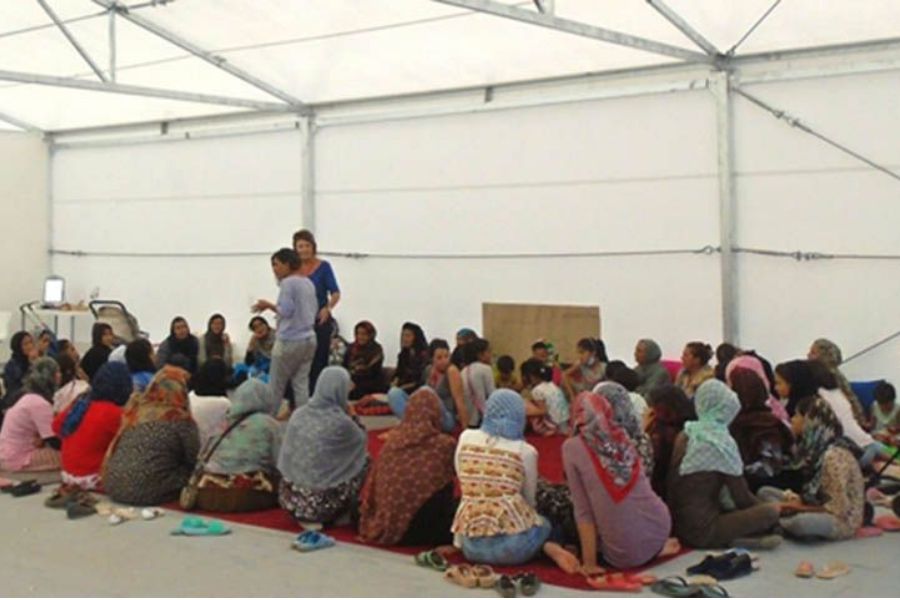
{"x": 710, "y": 445}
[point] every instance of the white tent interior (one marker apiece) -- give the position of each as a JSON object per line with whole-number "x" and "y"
{"x": 454, "y": 152}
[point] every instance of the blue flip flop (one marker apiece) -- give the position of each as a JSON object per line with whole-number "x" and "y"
{"x": 309, "y": 541}
{"x": 195, "y": 526}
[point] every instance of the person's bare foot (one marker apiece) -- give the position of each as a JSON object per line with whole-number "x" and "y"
{"x": 564, "y": 559}
{"x": 383, "y": 436}
{"x": 670, "y": 548}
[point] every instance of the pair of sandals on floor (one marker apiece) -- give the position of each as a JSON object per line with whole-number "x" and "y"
{"x": 480, "y": 576}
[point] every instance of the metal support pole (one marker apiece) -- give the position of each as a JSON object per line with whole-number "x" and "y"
{"x": 112, "y": 44}
{"x": 492, "y": 7}
{"x": 721, "y": 88}
{"x": 140, "y": 90}
{"x": 308, "y": 210}
{"x": 65, "y": 30}
{"x": 216, "y": 61}
{"x": 675, "y": 19}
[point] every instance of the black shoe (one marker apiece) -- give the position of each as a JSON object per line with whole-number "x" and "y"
{"x": 712, "y": 561}
{"x": 505, "y": 587}
{"x": 528, "y": 583}
{"x": 26, "y": 488}
{"x": 77, "y": 510}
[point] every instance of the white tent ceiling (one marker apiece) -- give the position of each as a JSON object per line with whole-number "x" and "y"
{"x": 323, "y": 51}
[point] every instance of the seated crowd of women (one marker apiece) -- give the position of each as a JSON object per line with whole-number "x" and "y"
{"x": 712, "y": 457}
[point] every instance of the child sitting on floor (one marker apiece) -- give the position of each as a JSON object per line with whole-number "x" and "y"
{"x": 505, "y": 374}
{"x": 545, "y": 404}
{"x": 885, "y": 410}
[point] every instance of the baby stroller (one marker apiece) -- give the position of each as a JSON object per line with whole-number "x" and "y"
{"x": 124, "y": 324}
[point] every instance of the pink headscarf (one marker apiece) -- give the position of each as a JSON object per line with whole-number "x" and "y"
{"x": 751, "y": 363}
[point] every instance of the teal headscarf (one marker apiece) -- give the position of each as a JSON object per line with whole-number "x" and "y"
{"x": 710, "y": 445}
{"x": 504, "y": 415}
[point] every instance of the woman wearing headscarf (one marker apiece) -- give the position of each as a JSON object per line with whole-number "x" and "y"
{"x": 619, "y": 517}
{"x": 88, "y": 426}
{"x": 102, "y": 340}
{"x": 755, "y": 366}
{"x": 412, "y": 358}
{"x": 669, "y": 410}
{"x": 651, "y": 373}
{"x": 141, "y": 364}
{"x": 831, "y": 503}
{"x": 323, "y": 458}
{"x": 364, "y": 359}
{"x": 763, "y": 439}
{"x": 496, "y": 522}
{"x": 181, "y": 342}
{"x": 625, "y": 417}
{"x": 215, "y": 343}
{"x": 27, "y": 441}
{"x": 23, "y": 353}
{"x": 408, "y": 496}
{"x": 828, "y": 353}
{"x": 155, "y": 450}
{"x": 705, "y": 459}
{"x": 241, "y": 475}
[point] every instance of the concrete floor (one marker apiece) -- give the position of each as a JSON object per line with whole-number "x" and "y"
{"x": 44, "y": 554}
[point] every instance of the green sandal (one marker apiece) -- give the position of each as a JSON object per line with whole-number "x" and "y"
{"x": 679, "y": 587}
{"x": 432, "y": 560}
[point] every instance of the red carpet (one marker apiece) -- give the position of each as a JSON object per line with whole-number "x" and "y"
{"x": 550, "y": 467}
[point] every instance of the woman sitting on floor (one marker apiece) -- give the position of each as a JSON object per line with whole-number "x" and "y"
{"x": 27, "y": 441}
{"x": 545, "y": 404}
{"x": 364, "y": 360}
{"x": 704, "y": 460}
{"x": 477, "y": 377}
{"x": 215, "y": 343}
{"x": 695, "y": 367}
{"x": 88, "y": 426}
{"x": 154, "y": 453}
{"x": 444, "y": 378}
{"x": 669, "y": 409}
{"x": 755, "y": 366}
{"x": 180, "y": 342}
{"x": 323, "y": 459}
{"x": 651, "y": 372}
{"x": 496, "y": 522}
{"x": 590, "y": 368}
{"x": 618, "y": 372}
{"x": 71, "y": 385}
{"x": 141, "y": 363}
{"x": 23, "y": 354}
{"x": 412, "y": 358}
{"x": 208, "y": 400}
{"x": 831, "y": 504}
{"x": 102, "y": 340}
{"x": 829, "y": 354}
{"x": 618, "y": 515}
{"x": 794, "y": 381}
{"x": 258, "y": 358}
{"x": 241, "y": 474}
{"x": 408, "y": 496}
{"x": 763, "y": 439}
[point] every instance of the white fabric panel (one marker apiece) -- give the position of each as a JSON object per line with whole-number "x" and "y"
{"x": 23, "y": 212}
{"x": 236, "y": 194}
{"x": 796, "y": 193}
{"x": 600, "y": 176}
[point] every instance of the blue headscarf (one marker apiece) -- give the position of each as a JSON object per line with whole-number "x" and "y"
{"x": 111, "y": 383}
{"x": 504, "y": 415}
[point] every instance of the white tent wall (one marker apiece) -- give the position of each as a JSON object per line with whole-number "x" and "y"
{"x": 212, "y": 210}
{"x": 24, "y": 209}
{"x": 587, "y": 177}
{"x": 795, "y": 193}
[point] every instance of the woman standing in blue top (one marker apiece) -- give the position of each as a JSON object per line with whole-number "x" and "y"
{"x": 328, "y": 295}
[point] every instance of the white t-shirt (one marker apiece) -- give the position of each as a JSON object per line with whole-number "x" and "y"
{"x": 639, "y": 405}
{"x": 555, "y": 401}
{"x": 844, "y": 412}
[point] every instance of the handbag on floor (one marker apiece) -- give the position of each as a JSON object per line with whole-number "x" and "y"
{"x": 188, "y": 497}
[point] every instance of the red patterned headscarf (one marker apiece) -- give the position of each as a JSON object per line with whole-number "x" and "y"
{"x": 615, "y": 458}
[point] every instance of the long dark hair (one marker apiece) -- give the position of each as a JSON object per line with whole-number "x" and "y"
{"x": 15, "y": 346}
{"x": 215, "y": 342}
{"x": 596, "y": 346}
{"x": 420, "y": 342}
{"x": 138, "y": 356}
{"x": 800, "y": 377}
{"x": 98, "y": 331}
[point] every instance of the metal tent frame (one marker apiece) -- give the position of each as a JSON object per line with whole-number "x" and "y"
{"x": 725, "y": 73}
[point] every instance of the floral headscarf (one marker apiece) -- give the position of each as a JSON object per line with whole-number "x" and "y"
{"x": 614, "y": 457}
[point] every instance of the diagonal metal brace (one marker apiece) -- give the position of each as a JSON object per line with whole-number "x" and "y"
{"x": 65, "y": 30}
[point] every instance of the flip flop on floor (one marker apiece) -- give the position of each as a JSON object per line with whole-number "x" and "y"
{"x": 528, "y": 582}
{"x": 805, "y": 570}
{"x": 309, "y": 541}
{"x": 887, "y": 523}
{"x": 678, "y": 587}
{"x": 614, "y": 582}
{"x": 195, "y": 526}
{"x": 432, "y": 560}
{"x": 833, "y": 570}
{"x": 485, "y": 576}
{"x": 867, "y": 532}
{"x": 463, "y": 575}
